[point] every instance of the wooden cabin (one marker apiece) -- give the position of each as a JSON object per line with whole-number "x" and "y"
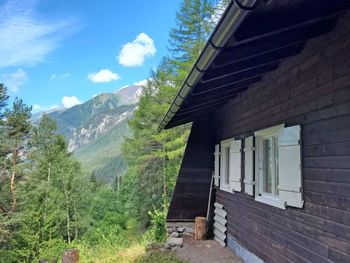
{"x": 269, "y": 102}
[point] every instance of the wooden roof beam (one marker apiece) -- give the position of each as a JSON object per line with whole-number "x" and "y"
{"x": 253, "y": 62}
{"x": 255, "y": 47}
{"x": 257, "y": 71}
{"x": 231, "y": 85}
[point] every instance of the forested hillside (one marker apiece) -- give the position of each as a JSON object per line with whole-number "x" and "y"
{"x": 95, "y": 131}
{"x": 48, "y": 203}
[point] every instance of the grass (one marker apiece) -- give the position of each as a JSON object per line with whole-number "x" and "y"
{"x": 159, "y": 257}
{"x": 134, "y": 254}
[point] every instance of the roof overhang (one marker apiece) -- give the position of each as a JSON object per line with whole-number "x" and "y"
{"x": 250, "y": 40}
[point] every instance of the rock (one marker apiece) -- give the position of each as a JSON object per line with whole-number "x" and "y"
{"x": 174, "y": 234}
{"x": 175, "y": 241}
{"x": 171, "y": 230}
{"x": 163, "y": 249}
{"x": 181, "y": 229}
{"x": 153, "y": 246}
{"x": 175, "y": 249}
{"x": 167, "y": 246}
{"x": 189, "y": 230}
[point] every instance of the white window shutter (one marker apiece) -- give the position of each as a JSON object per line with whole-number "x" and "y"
{"x": 235, "y": 165}
{"x": 249, "y": 166}
{"x": 217, "y": 165}
{"x": 290, "y": 178}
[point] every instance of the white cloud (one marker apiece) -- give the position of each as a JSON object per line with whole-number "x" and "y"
{"x": 134, "y": 53}
{"x": 69, "y": 102}
{"x": 40, "y": 108}
{"x": 26, "y": 37}
{"x": 55, "y": 76}
{"x": 104, "y": 75}
{"x": 13, "y": 81}
{"x": 141, "y": 82}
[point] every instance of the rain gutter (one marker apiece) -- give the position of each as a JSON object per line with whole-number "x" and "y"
{"x": 233, "y": 16}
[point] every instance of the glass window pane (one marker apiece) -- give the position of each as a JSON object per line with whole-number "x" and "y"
{"x": 267, "y": 165}
{"x": 276, "y": 166}
{"x": 227, "y": 165}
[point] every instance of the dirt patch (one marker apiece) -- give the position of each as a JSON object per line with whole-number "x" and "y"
{"x": 206, "y": 251}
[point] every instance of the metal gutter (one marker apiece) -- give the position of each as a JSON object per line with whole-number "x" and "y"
{"x": 233, "y": 16}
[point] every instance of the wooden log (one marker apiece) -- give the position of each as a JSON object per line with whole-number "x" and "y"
{"x": 200, "y": 228}
{"x": 70, "y": 256}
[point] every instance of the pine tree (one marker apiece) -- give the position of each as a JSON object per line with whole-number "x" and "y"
{"x": 194, "y": 23}
{"x": 17, "y": 128}
{"x": 153, "y": 158}
{"x": 51, "y": 199}
{"x": 4, "y": 173}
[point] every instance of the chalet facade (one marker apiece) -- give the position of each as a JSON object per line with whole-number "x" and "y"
{"x": 269, "y": 102}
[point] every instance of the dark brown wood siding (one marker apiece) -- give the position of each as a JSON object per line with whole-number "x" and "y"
{"x": 311, "y": 90}
{"x": 190, "y": 197}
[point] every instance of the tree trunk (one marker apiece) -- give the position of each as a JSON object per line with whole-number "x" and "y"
{"x": 12, "y": 184}
{"x": 67, "y": 215}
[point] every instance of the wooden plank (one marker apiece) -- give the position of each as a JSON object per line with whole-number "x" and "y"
{"x": 327, "y": 174}
{"x": 327, "y": 149}
{"x": 333, "y": 188}
{"x": 335, "y": 201}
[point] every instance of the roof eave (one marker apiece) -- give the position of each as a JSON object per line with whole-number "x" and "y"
{"x": 229, "y": 22}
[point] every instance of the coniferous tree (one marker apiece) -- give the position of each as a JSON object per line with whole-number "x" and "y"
{"x": 153, "y": 158}
{"x": 4, "y": 172}
{"x": 17, "y": 128}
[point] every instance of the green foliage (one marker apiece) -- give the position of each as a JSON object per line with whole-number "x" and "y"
{"x": 153, "y": 159}
{"x": 159, "y": 257}
{"x": 47, "y": 201}
{"x": 156, "y": 233}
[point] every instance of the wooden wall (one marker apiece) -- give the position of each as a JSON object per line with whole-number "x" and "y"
{"x": 190, "y": 197}
{"x": 312, "y": 90}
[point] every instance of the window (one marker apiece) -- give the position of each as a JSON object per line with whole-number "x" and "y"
{"x": 230, "y": 165}
{"x": 267, "y": 169}
{"x": 225, "y": 165}
{"x": 278, "y": 180}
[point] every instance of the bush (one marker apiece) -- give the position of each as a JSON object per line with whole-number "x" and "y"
{"x": 159, "y": 257}
{"x": 157, "y": 231}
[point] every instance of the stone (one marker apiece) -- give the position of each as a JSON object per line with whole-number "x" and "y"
{"x": 189, "y": 230}
{"x": 175, "y": 234}
{"x": 175, "y": 241}
{"x": 181, "y": 229}
{"x": 175, "y": 249}
{"x": 167, "y": 246}
{"x": 171, "y": 229}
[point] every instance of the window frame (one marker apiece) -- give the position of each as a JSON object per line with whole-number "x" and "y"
{"x": 225, "y": 161}
{"x": 261, "y": 196}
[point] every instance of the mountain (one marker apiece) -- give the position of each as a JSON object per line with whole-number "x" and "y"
{"x": 96, "y": 128}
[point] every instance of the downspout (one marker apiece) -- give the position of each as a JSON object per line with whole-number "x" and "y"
{"x": 233, "y": 16}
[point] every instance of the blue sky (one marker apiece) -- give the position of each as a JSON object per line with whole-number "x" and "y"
{"x": 55, "y": 52}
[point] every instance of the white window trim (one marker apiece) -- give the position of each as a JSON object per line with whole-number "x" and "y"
{"x": 261, "y": 196}
{"x": 223, "y": 162}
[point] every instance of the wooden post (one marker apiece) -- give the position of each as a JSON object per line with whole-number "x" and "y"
{"x": 70, "y": 256}
{"x": 200, "y": 228}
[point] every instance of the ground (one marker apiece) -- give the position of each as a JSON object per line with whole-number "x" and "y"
{"x": 206, "y": 251}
